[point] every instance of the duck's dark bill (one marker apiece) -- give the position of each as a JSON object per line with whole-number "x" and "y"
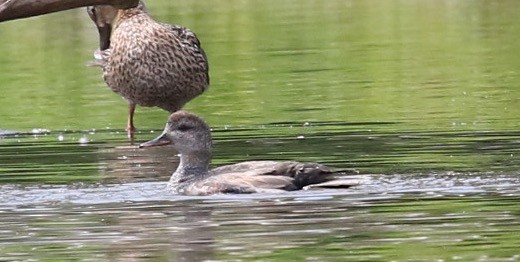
{"x": 104, "y": 27}
{"x": 158, "y": 141}
{"x": 104, "y": 36}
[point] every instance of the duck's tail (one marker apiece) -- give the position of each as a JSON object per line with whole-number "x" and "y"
{"x": 342, "y": 182}
{"x": 337, "y": 183}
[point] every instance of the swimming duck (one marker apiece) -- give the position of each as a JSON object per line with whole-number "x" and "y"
{"x": 146, "y": 62}
{"x": 191, "y": 137}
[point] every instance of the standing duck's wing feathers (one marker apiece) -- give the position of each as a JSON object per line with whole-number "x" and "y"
{"x": 189, "y": 40}
{"x": 187, "y": 36}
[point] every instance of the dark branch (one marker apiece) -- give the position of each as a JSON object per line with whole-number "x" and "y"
{"x": 16, "y": 9}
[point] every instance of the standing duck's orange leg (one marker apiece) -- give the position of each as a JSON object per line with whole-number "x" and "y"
{"x": 130, "y": 129}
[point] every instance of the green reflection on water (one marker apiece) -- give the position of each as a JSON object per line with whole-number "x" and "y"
{"x": 426, "y": 65}
{"x": 412, "y": 85}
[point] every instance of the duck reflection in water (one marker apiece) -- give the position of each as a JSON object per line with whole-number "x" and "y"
{"x": 191, "y": 137}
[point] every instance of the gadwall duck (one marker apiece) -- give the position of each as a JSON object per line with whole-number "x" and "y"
{"x": 191, "y": 137}
{"x": 146, "y": 62}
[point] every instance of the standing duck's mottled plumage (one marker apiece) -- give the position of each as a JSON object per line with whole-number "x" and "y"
{"x": 191, "y": 137}
{"x": 146, "y": 62}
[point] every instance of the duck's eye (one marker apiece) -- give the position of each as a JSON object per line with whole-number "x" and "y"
{"x": 184, "y": 127}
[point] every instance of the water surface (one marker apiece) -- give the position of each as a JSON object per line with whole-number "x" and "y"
{"x": 421, "y": 97}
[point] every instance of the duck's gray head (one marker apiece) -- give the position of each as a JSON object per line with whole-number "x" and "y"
{"x": 104, "y": 17}
{"x": 187, "y": 132}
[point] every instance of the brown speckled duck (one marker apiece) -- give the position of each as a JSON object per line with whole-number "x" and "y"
{"x": 191, "y": 137}
{"x": 146, "y": 62}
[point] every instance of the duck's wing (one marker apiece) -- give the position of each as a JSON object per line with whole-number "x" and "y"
{"x": 184, "y": 34}
{"x": 258, "y": 168}
{"x": 285, "y": 175}
{"x": 251, "y": 182}
{"x": 246, "y": 182}
{"x": 190, "y": 41}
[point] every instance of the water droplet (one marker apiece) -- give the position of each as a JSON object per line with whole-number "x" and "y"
{"x": 83, "y": 140}
{"x": 39, "y": 131}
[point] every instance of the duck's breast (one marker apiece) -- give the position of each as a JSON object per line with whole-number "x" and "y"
{"x": 152, "y": 66}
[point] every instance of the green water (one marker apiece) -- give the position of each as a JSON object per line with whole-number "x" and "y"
{"x": 443, "y": 65}
{"x": 422, "y": 95}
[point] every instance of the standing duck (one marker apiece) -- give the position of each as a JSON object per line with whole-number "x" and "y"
{"x": 191, "y": 137}
{"x": 146, "y": 62}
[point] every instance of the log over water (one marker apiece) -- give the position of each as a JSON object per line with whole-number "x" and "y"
{"x": 17, "y": 9}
